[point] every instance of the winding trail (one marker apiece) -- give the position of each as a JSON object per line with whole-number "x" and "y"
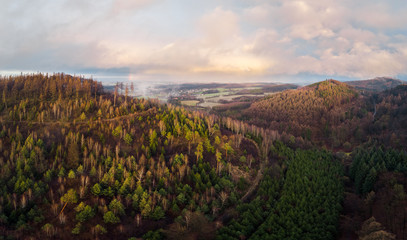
{"x": 132, "y": 115}
{"x": 256, "y": 182}
{"x": 259, "y": 176}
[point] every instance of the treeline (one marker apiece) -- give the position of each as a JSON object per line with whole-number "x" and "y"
{"x": 62, "y": 97}
{"x": 47, "y": 87}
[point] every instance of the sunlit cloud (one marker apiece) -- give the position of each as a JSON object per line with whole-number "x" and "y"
{"x": 214, "y": 39}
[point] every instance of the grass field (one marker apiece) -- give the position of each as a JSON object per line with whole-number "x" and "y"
{"x": 190, "y": 102}
{"x": 209, "y": 104}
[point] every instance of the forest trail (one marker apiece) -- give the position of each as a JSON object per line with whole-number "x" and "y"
{"x": 256, "y": 181}
{"x": 259, "y": 176}
{"x": 132, "y": 115}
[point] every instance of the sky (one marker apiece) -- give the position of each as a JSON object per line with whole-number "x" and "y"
{"x": 206, "y": 41}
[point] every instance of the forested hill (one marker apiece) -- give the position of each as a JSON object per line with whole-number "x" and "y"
{"x": 334, "y": 114}
{"x": 316, "y": 112}
{"x": 390, "y": 120}
{"x": 376, "y": 84}
{"x": 76, "y": 162}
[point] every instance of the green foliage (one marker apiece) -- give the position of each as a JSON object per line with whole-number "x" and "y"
{"x": 100, "y": 230}
{"x": 61, "y": 172}
{"x": 77, "y": 229}
{"x": 71, "y": 174}
{"x": 82, "y": 117}
{"x": 84, "y": 212}
{"x": 158, "y": 213}
{"x": 153, "y": 235}
{"x": 181, "y": 198}
{"x": 313, "y": 185}
{"x": 117, "y": 131}
{"x": 199, "y": 152}
{"x": 116, "y": 207}
{"x": 178, "y": 160}
{"x": 368, "y": 163}
{"x": 110, "y": 217}
{"x": 254, "y": 213}
{"x": 96, "y": 189}
{"x": 80, "y": 169}
{"x": 128, "y": 139}
{"x": 70, "y": 196}
{"x": 48, "y": 228}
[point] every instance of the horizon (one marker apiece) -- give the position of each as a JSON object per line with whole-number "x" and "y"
{"x": 108, "y": 80}
{"x": 213, "y": 41}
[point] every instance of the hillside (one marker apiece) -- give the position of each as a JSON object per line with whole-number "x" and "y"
{"x": 390, "y": 119}
{"x": 376, "y": 85}
{"x": 76, "y": 161}
{"x": 316, "y": 112}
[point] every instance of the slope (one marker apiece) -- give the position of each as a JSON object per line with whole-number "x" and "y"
{"x": 315, "y": 112}
{"x": 77, "y": 162}
{"x": 376, "y": 85}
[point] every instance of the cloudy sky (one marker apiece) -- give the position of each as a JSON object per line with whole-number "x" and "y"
{"x": 208, "y": 40}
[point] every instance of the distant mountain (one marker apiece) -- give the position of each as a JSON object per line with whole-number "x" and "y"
{"x": 377, "y": 84}
{"x": 280, "y": 87}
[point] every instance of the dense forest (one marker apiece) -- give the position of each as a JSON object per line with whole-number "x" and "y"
{"x": 305, "y": 204}
{"x": 335, "y": 115}
{"x": 77, "y": 161}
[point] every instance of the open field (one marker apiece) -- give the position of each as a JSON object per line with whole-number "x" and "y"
{"x": 211, "y": 95}
{"x": 190, "y": 102}
{"x": 209, "y": 104}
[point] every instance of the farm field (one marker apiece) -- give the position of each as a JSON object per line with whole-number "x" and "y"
{"x": 214, "y": 95}
{"x": 190, "y": 102}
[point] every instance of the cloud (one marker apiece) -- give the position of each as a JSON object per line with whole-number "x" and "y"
{"x": 252, "y": 39}
{"x": 120, "y": 6}
{"x": 219, "y": 26}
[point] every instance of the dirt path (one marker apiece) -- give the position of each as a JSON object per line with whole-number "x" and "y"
{"x": 259, "y": 176}
{"x": 132, "y": 115}
{"x": 255, "y": 183}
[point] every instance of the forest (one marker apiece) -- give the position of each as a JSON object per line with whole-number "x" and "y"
{"x": 334, "y": 115}
{"x": 326, "y": 161}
